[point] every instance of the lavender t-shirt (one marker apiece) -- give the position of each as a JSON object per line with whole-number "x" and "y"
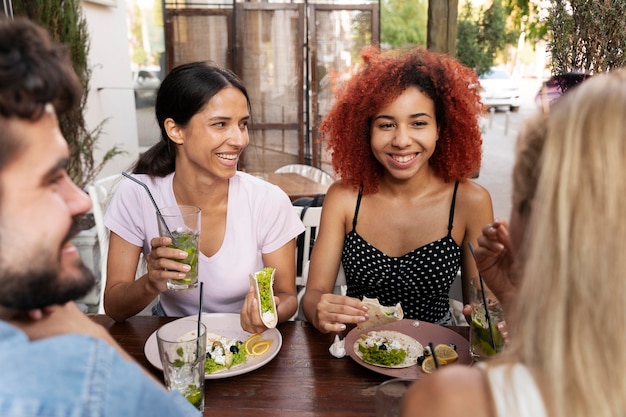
{"x": 260, "y": 219}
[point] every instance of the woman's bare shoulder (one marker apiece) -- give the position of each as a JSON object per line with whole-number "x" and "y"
{"x": 473, "y": 196}
{"x": 452, "y": 391}
{"x": 473, "y": 189}
{"x": 340, "y": 193}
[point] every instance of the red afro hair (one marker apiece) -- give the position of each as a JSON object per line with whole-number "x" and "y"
{"x": 384, "y": 76}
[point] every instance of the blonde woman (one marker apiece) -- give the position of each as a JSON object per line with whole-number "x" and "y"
{"x": 567, "y": 318}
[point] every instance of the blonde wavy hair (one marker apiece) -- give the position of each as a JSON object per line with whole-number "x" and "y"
{"x": 569, "y": 321}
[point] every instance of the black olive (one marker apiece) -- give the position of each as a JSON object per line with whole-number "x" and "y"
{"x": 208, "y": 355}
{"x": 382, "y": 347}
{"x": 234, "y": 349}
{"x": 420, "y": 359}
{"x": 452, "y": 345}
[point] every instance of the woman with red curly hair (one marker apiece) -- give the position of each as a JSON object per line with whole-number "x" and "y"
{"x": 404, "y": 138}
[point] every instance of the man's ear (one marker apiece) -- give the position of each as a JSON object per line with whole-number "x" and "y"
{"x": 174, "y": 132}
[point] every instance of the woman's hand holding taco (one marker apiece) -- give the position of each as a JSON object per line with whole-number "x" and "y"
{"x": 249, "y": 317}
{"x": 260, "y": 310}
{"x": 335, "y": 311}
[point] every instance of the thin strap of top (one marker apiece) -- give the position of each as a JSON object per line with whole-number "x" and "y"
{"x": 356, "y": 211}
{"x": 450, "y": 220}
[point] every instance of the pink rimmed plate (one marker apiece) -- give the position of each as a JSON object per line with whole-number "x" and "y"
{"x": 424, "y": 333}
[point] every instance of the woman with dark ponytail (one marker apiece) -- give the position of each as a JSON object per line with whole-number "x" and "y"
{"x": 203, "y": 113}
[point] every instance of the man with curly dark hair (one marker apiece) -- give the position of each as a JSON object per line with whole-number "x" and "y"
{"x": 56, "y": 361}
{"x": 405, "y": 141}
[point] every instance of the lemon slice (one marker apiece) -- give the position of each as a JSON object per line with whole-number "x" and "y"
{"x": 261, "y": 347}
{"x": 446, "y": 353}
{"x": 428, "y": 366}
{"x": 250, "y": 342}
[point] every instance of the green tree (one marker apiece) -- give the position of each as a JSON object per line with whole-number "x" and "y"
{"x": 403, "y": 23}
{"x": 469, "y": 49}
{"x": 481, "y": 34}
{"x": 67, "y": 25}
{"x": 523, "y": 16}
{"x": 587, "y": 35}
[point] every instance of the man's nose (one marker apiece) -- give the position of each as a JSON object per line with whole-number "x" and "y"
{"x": 77, "y": 200}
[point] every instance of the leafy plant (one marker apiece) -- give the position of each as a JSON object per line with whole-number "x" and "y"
{"x": 67, "y": 25}
{"x": 481, "y": 35}
{"x": 586, "y": 35}
{"x": 403, "y": 23}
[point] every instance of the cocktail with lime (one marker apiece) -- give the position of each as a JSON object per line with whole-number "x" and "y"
{"x": 484, "y": 342}
{"x": 481, "y": 344}
{"x": 183, "y": 226}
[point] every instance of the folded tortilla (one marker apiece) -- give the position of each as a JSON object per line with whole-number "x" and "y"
{"x": 380, "y": 315}
{"x": 263, "y": 283}
{"x": 392, "y": 340}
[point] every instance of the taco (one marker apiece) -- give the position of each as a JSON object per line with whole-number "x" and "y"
{"x": 379, "y": 314}
{"x": 263, "y": 283}
{"x": 388, "y": 349}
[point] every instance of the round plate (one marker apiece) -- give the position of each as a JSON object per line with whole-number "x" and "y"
{"x": 424, "y": 333}
{"x": 228, "y": 325}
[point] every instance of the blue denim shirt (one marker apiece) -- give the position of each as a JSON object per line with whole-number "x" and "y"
{"x": 77, "y": 375}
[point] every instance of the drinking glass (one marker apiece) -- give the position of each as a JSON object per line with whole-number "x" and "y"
{"x": 183, "y": 351}
{"x": 388, "y": 396}
{"x": 480, "y": 336}
{"x": 183, "y": 222}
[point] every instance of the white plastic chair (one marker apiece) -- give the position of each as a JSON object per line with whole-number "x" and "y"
{"x": 308, "y": 171}
{"x": 100, "y": 193}
{"x": 311, "y": 223}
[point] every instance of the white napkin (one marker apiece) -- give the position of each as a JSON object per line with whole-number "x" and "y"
{"x": 337, "y": 349}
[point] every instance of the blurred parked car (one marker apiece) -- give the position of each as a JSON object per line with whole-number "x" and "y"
{"x": 146, "y": 84}
{"x": 557, "y": 85}
{"x": 498, "y": 89}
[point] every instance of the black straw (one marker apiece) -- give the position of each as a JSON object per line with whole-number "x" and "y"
{"x": 167, "y": 229}
{"x": 199, "y": 319}
{"x": 432, "y": 352}
{"x": 482, "y": 290}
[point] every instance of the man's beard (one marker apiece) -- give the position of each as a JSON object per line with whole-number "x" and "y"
{"x": 34, "y": 289}
{"x": 41, "y": 284}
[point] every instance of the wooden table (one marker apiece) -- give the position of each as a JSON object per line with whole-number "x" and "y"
{"x": 294, "y": 185}
{"x": 303, "y": 380}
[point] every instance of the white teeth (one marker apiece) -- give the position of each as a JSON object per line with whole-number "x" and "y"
{"x": 229, "y": 157}
{"x": 403, "y": 159}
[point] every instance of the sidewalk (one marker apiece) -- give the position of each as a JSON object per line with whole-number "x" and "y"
{"x": 501, "y": 131}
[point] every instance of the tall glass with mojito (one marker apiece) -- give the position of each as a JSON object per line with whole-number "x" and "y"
{"x": 183, "y": 226}
{"x": 482, "y": 345}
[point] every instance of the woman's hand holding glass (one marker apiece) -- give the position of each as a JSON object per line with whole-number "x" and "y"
{"x": 162, "y": 263}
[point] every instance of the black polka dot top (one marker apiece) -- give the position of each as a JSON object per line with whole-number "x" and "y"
{"x": 420, "y": 280}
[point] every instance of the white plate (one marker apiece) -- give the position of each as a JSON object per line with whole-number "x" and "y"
{"x": 224, "y": 324}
